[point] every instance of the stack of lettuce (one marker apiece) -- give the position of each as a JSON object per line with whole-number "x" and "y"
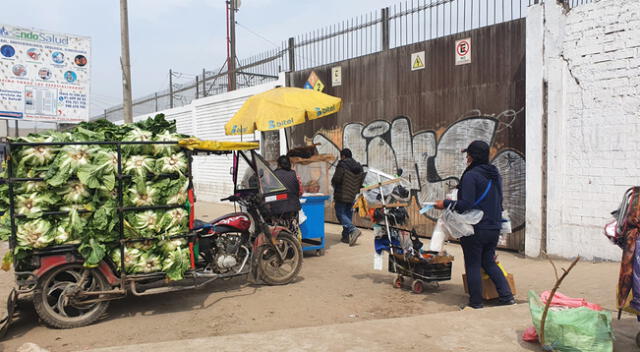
{"x": 81, "y": 180}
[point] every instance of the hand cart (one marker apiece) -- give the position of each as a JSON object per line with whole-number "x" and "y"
{"x": 421, "y": 267}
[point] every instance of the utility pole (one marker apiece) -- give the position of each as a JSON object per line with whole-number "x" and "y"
{"x": 204, "y": 80}
{"x": 231, "y": 55}
{"x": 125, "y": 62}
{"x": 170, "y": 88}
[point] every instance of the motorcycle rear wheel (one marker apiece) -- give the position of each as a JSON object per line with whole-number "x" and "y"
{"x": 272, "y": 270}
{"x": 59, "y": 310}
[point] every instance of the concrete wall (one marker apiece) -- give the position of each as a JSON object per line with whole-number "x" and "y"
{"x": 583, "y": 84}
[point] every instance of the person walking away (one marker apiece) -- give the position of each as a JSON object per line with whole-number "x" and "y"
{"x": 481, "y": 188}
{"x": 347, "y": 181}
{"x": 287, "y": 210}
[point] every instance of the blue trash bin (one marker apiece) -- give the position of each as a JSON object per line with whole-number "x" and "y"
{"x": 313, "y": 228}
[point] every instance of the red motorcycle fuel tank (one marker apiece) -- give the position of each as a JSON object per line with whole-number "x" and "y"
{"x": 238, "y": 221}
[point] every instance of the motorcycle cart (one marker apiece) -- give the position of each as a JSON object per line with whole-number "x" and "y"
{"x": 66, "y": 294}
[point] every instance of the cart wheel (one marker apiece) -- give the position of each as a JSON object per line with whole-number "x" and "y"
{"x": 397, "y": 283}
{"x": 638, "y": 339}
{"x": 417, "y": 286}
{"x": 320, "y": 252}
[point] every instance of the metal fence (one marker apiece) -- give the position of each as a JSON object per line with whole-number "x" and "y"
{"x": 249, "y": 72}
{"x": 404, "y": 23}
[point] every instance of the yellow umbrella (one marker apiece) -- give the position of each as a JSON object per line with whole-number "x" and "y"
{"x": 279, "y": 108}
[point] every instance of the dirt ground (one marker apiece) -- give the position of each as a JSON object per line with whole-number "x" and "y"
{"x": 339, "y": 287}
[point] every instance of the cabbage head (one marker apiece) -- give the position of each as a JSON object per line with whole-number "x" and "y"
{"x": 141, "y": 224}
{"x": 75, "y": 192}
{"x": 137, "y": 134}
{"x": 149, "y": 262}
{"x": 139, "y": 165}
{"x": 173, "y": 222}
{"x": 168, "y": 246}
{"x": 67, "y": 162}
{"x": 176, "y": 263}
{"x": 173, "y": 164}
{"x": 33, "y": 204}
{"x": 39, "y": 155}
{"x": 143, "y": 194}
{"x": 35, "y": 234}
{"x": 166, "y": 149}
{"x": 174, "y": 191}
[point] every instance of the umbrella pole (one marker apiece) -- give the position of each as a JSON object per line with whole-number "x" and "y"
{"x": 286, "y": 137}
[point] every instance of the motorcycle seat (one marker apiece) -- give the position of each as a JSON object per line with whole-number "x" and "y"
{"x": 199, "y": 224}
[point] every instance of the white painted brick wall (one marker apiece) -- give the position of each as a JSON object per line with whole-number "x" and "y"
{"x": 594, "y": 121}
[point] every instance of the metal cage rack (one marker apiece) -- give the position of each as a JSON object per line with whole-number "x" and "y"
{"x": 121, "y": 208}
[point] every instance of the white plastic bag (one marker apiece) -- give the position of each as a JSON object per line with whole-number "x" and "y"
{"x": 438, "y": 237}
{"x": 302, "y": 217}
{"x": 506, "y": 223}
{"x": 461, "y": 225}
{"x": 377, "y": 261}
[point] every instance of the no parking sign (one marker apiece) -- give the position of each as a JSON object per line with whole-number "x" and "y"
{"x": 463, "y": 51}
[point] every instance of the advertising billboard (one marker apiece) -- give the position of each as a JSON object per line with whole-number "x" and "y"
{"x": 44, "y": 76}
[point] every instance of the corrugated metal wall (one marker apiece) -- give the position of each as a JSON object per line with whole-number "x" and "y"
{"x": 420, "y": 120}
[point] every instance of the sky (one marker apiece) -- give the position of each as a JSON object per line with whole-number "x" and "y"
{"x": 183, "y": 35}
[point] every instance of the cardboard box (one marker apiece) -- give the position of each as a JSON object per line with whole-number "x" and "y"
{"x": 488, "y": 288}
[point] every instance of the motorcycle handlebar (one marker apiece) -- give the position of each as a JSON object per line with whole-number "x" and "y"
{"x": 232, "y": 198}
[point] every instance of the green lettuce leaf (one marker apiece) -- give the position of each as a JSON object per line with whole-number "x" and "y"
{"x": 93, "y": 252}
{"x": 101, "y": 172}
{"x": 176, "y": 263}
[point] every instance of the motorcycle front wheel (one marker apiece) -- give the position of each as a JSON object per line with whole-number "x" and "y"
{"x": 274, "y": 271}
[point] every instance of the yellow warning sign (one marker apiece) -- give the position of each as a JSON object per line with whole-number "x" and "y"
{"x": 319, "y": 86}
{"x": 417, "y": 61}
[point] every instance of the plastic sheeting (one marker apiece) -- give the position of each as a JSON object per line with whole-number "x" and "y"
{"x": 314, "y": 177}
{"x": 572, "y": 329}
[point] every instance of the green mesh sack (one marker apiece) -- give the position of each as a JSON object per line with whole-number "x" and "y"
{"x": 573, "y": 329}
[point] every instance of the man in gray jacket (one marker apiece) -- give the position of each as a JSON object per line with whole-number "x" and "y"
{"x": 347, "y": 181}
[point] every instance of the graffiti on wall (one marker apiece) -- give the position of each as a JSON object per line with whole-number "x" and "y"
{"x": 432, "y": 161}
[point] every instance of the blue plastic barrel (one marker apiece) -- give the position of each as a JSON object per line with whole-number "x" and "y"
{"x": 313, "y": 228}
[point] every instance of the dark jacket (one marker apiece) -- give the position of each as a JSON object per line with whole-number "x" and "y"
{"x": 347, "y": 180}
{"x": 292, "y": 204}
{"x": 473, "y": 184}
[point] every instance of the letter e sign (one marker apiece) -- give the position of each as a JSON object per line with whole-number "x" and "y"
{"x": 463, "y": 51}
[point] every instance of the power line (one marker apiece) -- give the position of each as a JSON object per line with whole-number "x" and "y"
{"x": 258, "y": 35}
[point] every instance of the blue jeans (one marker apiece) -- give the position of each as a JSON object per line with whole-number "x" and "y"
{"x": 479, "y": 252}
{"x": 344, "y": 213}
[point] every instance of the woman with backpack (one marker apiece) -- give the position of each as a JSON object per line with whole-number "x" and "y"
{"x": 481, "y": 188}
